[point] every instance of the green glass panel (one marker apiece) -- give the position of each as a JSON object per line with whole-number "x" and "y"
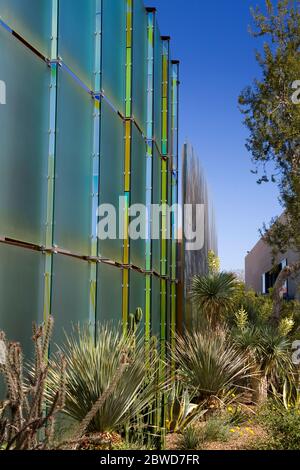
{"x": 74, "y": 148}
{"x": 168, "y": 313}
{"x": 77, "y": 19}
{"x": 32, "y": 19}
{"x": 138, "y": 194}
{"x": 170, "y": 219}
{"x": 158, "y": 87}
{"x": 138, "y": 296}
{"x": 156, "y": 199}
{"x": 111, "y": 174}
{"x": 109, "y": 294}
{"x": 114, "y": 51}
{"x": 70, "y": 295}
{"x": 21, "y": 293}
{"x": 24, "y": 124}
{"x": 139, "y": 77}
{"x": 155, "y": 314}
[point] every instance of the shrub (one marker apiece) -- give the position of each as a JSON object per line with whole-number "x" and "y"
{"x": 191, "y": 439}
{"x": 235, "y": 416}
{"x": 92, "y": 368}
{"x": 283, "y": 427}
{"x": 215, "y": 430}
{"x": 211, "y": 367}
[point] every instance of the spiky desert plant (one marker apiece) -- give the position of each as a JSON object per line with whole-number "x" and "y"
{"x": 91, "y": 368}
{"x": 213, "y": 295}
{"x": 212, "y": 368}
{"x": 241, "y": 319}
{"x": 24, "y": 417}
{"x": 270, "y": 354}
{"x": 286, "y": 325}
{"x": 191, "y": 439}
{"x": 181, "y": 411}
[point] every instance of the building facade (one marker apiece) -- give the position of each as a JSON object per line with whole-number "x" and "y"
{"x": 90, "y": 116}
{"x": 261, "y": 272}
{"x": 194, "y": 262}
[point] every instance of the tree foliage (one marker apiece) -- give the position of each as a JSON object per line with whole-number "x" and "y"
{"x": 272, "y": 115}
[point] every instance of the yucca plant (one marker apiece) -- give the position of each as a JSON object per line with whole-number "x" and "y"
{"x": 91, "y": 368}
{"x": 213, "y": 295}
{"x": 211, "y": 367}
{"x": 269, "y": 352}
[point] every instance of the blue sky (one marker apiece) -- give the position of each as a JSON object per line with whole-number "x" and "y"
{"x": 217, "y": 56}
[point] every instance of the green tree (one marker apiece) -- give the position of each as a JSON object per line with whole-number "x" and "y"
{"x": 272, "y": 115}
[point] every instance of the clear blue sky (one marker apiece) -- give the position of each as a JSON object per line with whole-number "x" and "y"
{"x": 217, "y": 57}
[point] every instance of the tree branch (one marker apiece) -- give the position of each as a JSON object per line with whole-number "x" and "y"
{"x": 284, "y": 275}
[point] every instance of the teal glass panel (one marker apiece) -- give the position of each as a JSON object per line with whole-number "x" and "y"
{"x": 76, "y": 44}
{"x": 24, "y": 125}
{"x": 138, "y": 296}
{"x": 156, "y": 199}
{"x": 158, "y": 87}
{"x": 32, "y": 19}
{"x": 70, "y": 295}
{"x": 21, "y": 293}
{"x": 138, "y": 195}
{"x": 139, "y": 76}
{"x": 170, "y": 106}
{"x": 114, "y": 51}
{"x": 109, "y": 295}
{"x": 74, "y": 148}
{"x": 155, "y": 314}
{"x": 111, "y": 174}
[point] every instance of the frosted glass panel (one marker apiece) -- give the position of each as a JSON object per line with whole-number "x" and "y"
{"x": 77, "y": 20}
{"x": 138, "y": 295}
{"x": 156, "y": 198}
{"x": 111, "y": 173}
{"x": 138, "y": 192}
{"x": 114, "y": 51}
{"x": 157, "y": 87}
{"x": 139, "y": 90}
{"x": 70, "y": 295}
{"x": 21, "y": 293}
{"x": 109, "y": 294}
{"x": 155, "y": 315}
{"x": 24, "y": 125}
{"x": 31, "y": 19}
{"x": 74, "y": 150}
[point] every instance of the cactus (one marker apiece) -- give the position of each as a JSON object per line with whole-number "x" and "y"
{"x": 138, "y": 315}
{"x": 134, "y": 320}
{"x": 26, "y": 420}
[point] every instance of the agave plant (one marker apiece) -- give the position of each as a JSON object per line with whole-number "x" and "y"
{"x": 269, "y": 352}
{"x": 92, "y": 366}
{"x": 211, "y": 366}
{"x": 181, "y": 411}
{"x": 289, "y": 396}
{"x": 213, "y": 294}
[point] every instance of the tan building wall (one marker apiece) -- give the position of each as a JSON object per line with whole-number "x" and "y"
{"x": 259, "y": 261}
